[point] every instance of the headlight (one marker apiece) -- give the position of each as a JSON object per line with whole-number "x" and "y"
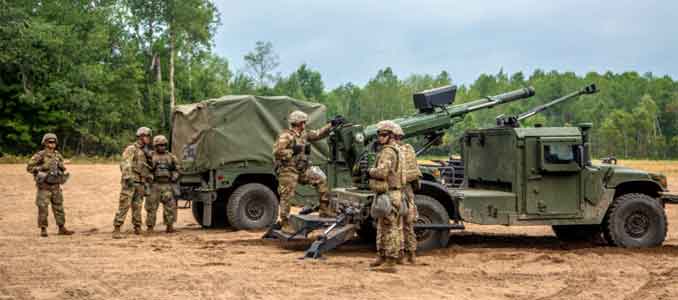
{"x": 661, "y": 179}
{"x": 360, "y": 138}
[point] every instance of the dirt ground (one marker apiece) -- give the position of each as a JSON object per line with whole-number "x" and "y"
{"x": 481, "y": 263}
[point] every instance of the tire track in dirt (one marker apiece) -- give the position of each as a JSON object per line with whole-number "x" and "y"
{"x": 656, "y": 285}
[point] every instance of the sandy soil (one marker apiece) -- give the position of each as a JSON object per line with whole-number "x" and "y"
{"x": 481, "y": 263}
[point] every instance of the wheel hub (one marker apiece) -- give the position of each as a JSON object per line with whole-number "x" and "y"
{"x": 423, "y": 234}
{"x": 254, "y": 210}
{"x": 637, "y": 224}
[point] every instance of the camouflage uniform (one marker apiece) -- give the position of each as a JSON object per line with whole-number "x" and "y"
{"x": 389, "y": 229}
{"x": 48, "y": 193}
{"x": 164, "y": 167}
{"x": 412, "y": 176}
{"x": 293, "y": 168}
{"x": 136, "y": 173}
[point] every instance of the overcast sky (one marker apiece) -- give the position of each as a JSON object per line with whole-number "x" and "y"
{"x": 349, "y": 41}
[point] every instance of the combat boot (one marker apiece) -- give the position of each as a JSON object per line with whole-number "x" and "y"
{"x": 43, "y": 231}
{"x": 149, "y": 229}
{"x": 401, "y": 258}
{"x": 64, "y": 231}
{"x": 411, "y": 257}
{"x": 390, "y": 265}
{"x": 378, "y": 262}
{"x": 170, "y": 229}
{"x": 116, "y": 232}
{"x": 137, "y": 230}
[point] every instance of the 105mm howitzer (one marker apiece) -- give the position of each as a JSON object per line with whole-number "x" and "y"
{"x": 435, "y": 210}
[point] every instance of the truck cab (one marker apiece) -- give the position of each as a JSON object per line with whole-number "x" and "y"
{"x": 544, "y": 176}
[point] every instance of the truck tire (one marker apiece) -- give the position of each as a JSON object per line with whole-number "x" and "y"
{"x": 218, "y": 214}
{"x": 252, "y": 206}
{"x": 431, "y": 212}
{"x": 577, "y": 233}
{"x": 635, "y": 221}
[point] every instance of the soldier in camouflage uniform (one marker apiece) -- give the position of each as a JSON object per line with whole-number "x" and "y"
{"x": 47, "y": 167}
{"x": 165, "y": 170}
{"x": 291, "y": 152}
{"x": 412, "y": 177}
{"x": 136, "y": 174}
{"x": 387, "y": 177}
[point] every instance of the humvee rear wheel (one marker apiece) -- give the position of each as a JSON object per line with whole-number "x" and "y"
{"x": 575, "y": 233}
{"x": 431, "y": 212}
{"x": 252, "y": 206}
{"x": 635, "y": 220}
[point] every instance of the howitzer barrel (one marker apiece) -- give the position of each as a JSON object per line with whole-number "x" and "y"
{"x": 589, "y": 89}
{"x": 445, "y": 117}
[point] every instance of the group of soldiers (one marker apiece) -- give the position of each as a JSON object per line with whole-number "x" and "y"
{"x": 395, "y": 175}
{"x": 148, "y": 178}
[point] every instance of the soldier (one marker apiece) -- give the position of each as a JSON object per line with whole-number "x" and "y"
{"x": 136, "y": 175}
{"x": 291, "y": 152}
{"x": 164, "y": 167}
{"x": 412, "y": 177}
{"x": 47, "y": 167}
{"x": 387, "y": 177}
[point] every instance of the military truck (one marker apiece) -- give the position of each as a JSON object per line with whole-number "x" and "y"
{"x": 517, "y": 176}
{"x": 225, "y": 148}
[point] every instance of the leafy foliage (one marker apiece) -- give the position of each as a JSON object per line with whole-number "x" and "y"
{"x": 93, "y": 71}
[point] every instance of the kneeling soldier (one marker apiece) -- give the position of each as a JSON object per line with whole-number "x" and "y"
{"x": 47, "y": 167}
{"x": 164, "y": 167}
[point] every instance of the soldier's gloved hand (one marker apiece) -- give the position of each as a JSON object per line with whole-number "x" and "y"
{"x": 338, "y": 120}
{"x": 296, "y": 149}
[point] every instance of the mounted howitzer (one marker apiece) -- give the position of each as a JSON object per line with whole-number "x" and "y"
{"x": 352, "y": 143}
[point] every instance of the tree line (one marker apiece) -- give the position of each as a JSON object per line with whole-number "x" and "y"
{"x": 93, "y": 71}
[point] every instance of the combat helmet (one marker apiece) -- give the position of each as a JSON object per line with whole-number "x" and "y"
{"x": 387, "y": 125}
{"x": 49, "y": 136}
{"x": 398, "y": 130}
{"x": 159, "y": 140}
{"x": 143, "y": 131}
{"x": 297, "y": 116}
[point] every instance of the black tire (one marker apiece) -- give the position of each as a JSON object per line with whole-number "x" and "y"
{"x": 431, "y": 212}
{"x": 635, "y": 221}
{"x": 252, "y": 206}
{"x": 577, "y": 233}
{"x": 218, "y": 214}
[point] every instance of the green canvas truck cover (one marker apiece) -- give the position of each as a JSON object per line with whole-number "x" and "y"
{"x": 237, "y": 129}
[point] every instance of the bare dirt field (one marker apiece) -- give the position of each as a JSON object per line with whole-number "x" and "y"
{"x": 480, "y": 263}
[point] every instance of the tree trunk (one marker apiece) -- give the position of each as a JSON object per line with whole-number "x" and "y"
{"x": 171, "y": 69}
{"x": 161, "y": 98}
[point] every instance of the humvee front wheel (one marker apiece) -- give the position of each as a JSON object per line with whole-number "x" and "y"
{"x": 252, "y": 206}
{"x": 431, "y": 212}
{"x": 634, "y": 221}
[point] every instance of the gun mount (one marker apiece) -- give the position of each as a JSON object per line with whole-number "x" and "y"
{"x": 350, "y": 142}
{"x": 514, "y": 121}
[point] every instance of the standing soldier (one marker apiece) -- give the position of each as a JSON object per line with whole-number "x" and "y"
{"x": 412, "y": 177}
{"x": 387, "y": 178}
{"x": 47, "y": 167}
{"x": 164, "y": 167}
{"x": 291, "y": 152}
{"x": 136, "y": 174}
